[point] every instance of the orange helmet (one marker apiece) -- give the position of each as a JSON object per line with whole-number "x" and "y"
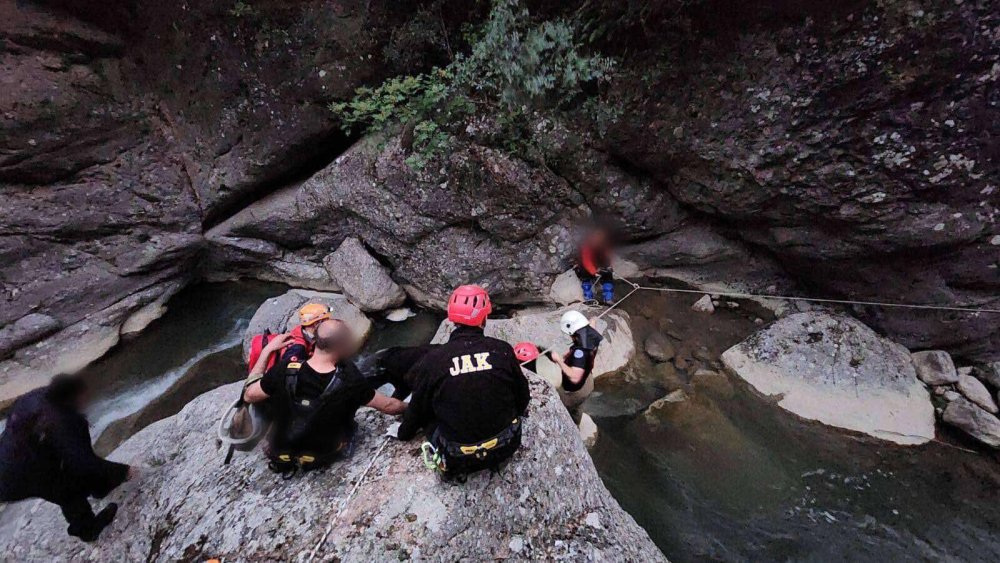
{"x": 313, "y": 313}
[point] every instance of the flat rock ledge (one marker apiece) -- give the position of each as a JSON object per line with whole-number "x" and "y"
{"x": 547, "y": 504}
{"x": 835, "y": 370}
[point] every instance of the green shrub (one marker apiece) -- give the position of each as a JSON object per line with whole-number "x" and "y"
{"x": 513, "y": 69}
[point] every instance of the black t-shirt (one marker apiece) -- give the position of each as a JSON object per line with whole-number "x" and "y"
{"x": 335, "y": 418}
{"x": 578, "y": 358}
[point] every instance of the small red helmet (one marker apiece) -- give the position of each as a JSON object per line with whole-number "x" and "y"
{"x": 525, "y": 351}
{"x": 469, "y": 305}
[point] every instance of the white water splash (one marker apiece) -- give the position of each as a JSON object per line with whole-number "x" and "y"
{"x": 107, "y": 411}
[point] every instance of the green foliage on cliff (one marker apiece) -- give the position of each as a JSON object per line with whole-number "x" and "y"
{"x": 512, "y": 69}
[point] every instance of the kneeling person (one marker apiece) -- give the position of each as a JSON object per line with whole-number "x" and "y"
{"x": 470, "y": 394}
{"x": 313, "y": 403}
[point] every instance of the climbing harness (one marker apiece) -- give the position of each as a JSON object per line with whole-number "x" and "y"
{"x": 432, "y": 457}
{"x": 453, "y": 460}
{"x": 343, "y": 504}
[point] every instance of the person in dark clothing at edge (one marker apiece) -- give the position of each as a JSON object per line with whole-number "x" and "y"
{"x": 595, "y": 265}
{"x": 471, "y": 394}
{"x": 394, "y": 366}
{"x": 578, "y": 363}
{"x": 46, "y": 452}
{"x": 313, "y": 403}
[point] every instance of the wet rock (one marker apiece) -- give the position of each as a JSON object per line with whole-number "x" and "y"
{"x": 666, "y": 374}
{"x": 974, "y": 421}
{"x": 566, "y": 289}
{"x": 659, "y": 347}
{"x": 713, "y": 383}
{"x": 26, "y": 330}
{"x": 935, "y": 367}
{"x": 541, "y": 326}
{"x": 975, "y": 391}
{"x": 281, "y": 314}
{"x": 990, "y": 373}
{"x": 364, "y": 281}
{"x": 834, "y": 369}
{"x": 655, "y": 413}
{"x": 187, "y": 506}
{"x": 588, "y": 430}
{"x": 704, "y": 305}
{"x": 399, "y": 315}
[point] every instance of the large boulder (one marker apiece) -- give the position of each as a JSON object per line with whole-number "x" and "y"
{"x": 548, "y": 503}
{"x": 935, "y": 367}
{"x": 833, "y": 369}
{"x": 541, "y": 326}
{"x": 974, "y": 421}
{"x": 566, "y": 289}
{"x": 280, "y": 314}
{"x": 364, "y": 281}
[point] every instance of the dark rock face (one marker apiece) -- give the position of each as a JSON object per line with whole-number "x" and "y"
{"x": 97, "y": 207}
{"x": 858, "y": 148}
{"x": 128, "y": 127}
{"x": 848, "y": 150}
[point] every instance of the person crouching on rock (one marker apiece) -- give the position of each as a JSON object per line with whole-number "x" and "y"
{"x": 578, "y": 363}
{"x": 393, "y": 366}
{"x": 471, "y": 394}
{"x": 46, "y": 452}
{"x": 595, "y": 266}
{"x": 312, "y": 404}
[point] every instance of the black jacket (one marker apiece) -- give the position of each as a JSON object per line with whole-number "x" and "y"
{"x": 46, "y": 452}
{"x": 471, "y": 388}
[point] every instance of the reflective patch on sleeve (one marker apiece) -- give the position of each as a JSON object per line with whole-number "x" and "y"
{"x": 578, "y": 353}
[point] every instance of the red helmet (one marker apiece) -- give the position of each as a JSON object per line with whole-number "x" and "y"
{"x": 525, "y": 351}
{"x": 469, "y": 305}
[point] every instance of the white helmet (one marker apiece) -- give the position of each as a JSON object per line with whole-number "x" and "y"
{"x": 572, "y": 321}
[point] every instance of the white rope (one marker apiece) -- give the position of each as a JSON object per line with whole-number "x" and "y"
{"x": 343, "y": 504}
{"x": 738, "y": 295}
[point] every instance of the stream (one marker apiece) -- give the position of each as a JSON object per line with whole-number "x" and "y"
{"x": 722, "y": 476}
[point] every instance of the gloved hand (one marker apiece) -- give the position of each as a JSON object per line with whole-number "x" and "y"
{"x": 393, "y": 431}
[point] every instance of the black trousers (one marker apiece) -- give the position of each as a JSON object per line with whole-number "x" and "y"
{"x": 78, "y": 514}
{"x": 604, "y": 275}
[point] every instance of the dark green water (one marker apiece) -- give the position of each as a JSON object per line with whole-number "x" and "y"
{"x": 737, "y": 479}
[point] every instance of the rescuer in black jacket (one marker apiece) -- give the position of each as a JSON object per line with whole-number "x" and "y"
{"x": 395, "y": 367}
{"x": 45, "y": 452}
{"x": 470, "y": 394}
